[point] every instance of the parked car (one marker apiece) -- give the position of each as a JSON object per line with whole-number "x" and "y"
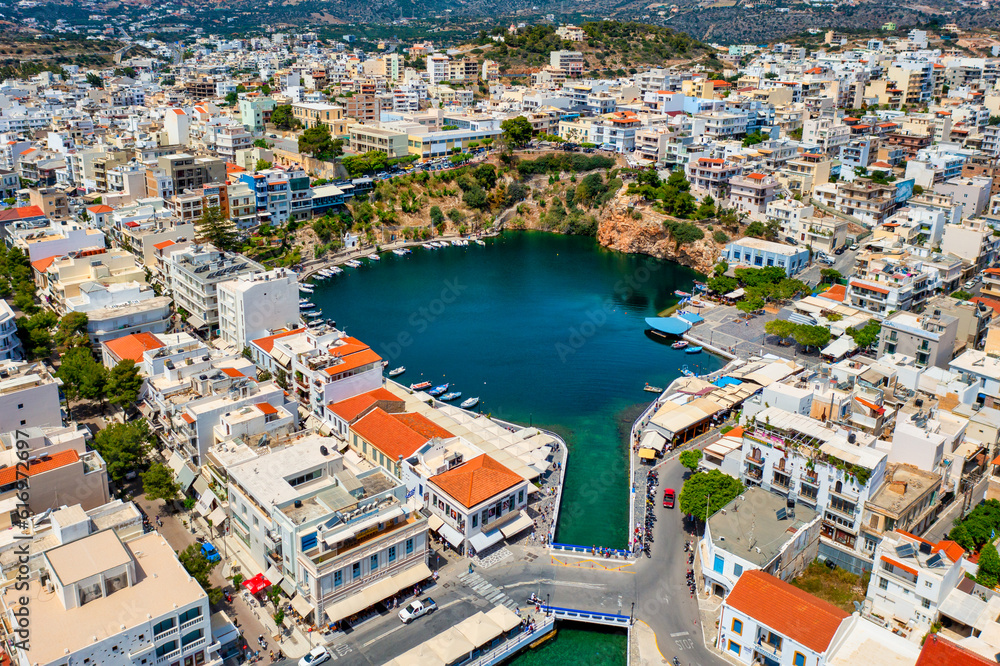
{"x": 668, "y": 497}
{"x": 853, "y": 247}
{"x": 210, "y": 552}
{"x": 791, "y": 241}
{"x": 823, "y": 259}
{"x": 318, "y": 655}
{"x": 839, "y": 251}
{"x": 417, "y": 609}
{"x": 969, "y": 284}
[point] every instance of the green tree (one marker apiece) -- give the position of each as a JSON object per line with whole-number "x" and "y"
{"x": 961, "y": 295}
{"x": 812, "y": 336}
{"x": 95, "y": 80}
{"x": 35, "y": 332}
{"x": 437, "y": 216}
{"x": 82, "y": 376}
{"x": 124, "y": 447}
{"x": 262, "y": 165}
{"x": 690, "y": 459}
{"x": 722, "y": 284}
{"x": 158, "y": 483}
{"x": 218, "y": 230}
{"x": 72, "y": 330}
{"x": 318, "y": 142}
{"x": 708, "y": 490}
{"x": 475, "y": 196}
{"x": 684, "y": 233}
{"x": 867, "y": 335}
{"x": 516, "y": 131}
{"x": 753, "y": 139}
{"x": 756, "y": 229}
{"x": 124, "y": 383}
{"x": 750, "y": 304}
{"x": 200, "y": 568}
{"x": 830, "y": 275}
{"x": 989, "y": 566}
{"x": 232, "y": 98}
{"x": 707, "y": 208}
{"x": 782, "y": 328}
{"x": 282, "y": 117}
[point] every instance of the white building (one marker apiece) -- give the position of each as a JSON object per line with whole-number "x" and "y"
{"x": 112, "y": 603}
{"x": 29, "y": 396}
{"x": 114, "y": 310}
{"x": 254, "y": 305}
{"x": 10, "y": 344}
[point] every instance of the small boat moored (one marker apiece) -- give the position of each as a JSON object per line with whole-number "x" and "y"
{"x": 678, "y": 292}
{"x": 687, "y": 372}
{"x": 470, "y": 403}
{"x": 306, "y": 306}
{"x": 353, "y": 263}
{"x": 652, "y": 389}
{"x": 680, "y": 344}
{"x": 374, "y": 257}
{"x": 451, "y": 396}
{"x": 395, "y": 372}
{"x": 693, "y": 350}
{"x": 438, "y": 390}
{"x": 306, "y": 289}
{"x": 420, "y": 386}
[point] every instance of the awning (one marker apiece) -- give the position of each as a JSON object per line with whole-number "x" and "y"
{"x": 376, "y": 592}
{"x": 301, "y": 606}
{"x": 484, "y": 540}
{"x": 453, "y": 536}
{"x": 351, "y": 529}
{"x": 185, "y": 477}
{"x": 669, "y": 325}
{"x": 647, "y": 454}
{"x": 201, "y": 485}
{"x": 218, "y": 516}
{"x": 273, "y": 575}
{"x": 280, "y": 357}
{"x": 434, "y": 522}
{"x": 653, "y": 440}
{"x": 196, "y": 321}
{"x": 522, "y": 523}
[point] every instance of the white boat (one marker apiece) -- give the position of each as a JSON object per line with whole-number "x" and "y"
{"x": 479, "y": 242}
{"x": 353, "y": 263}
{"x": 470, "y": 403}
{"x": 447, "y": 397}
{"x": 336, "y": 270}
{"x": 399, "y": 253}
{"x": 313, "y": 315}
{"x": 306, "y": 306}
{"x": 374, "y": 257}
{"x": 430, "y": 246}
{"x": 395, "y": 372}
{"x": 305, "y": 288}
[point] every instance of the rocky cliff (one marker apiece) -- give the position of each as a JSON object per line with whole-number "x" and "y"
{"x": 620, "y": 230}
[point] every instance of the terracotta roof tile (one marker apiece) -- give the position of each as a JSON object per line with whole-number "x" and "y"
{"x": 395, "y": 436}
{"x": 476, "y": 481}
{"x": 131, "y": 347}
{"x": 100, "y": 208}
{"x": 164, "y": 244}
{"x": 38, "y": 465}
{"x": 267, "y": 344}
{"x": 353, "y": 407}
{"x": 939, "y": 651}
{"x": 42, "y": 264}
{"x": 786, "y": 609}
{"x": 266, "y": 408}
{"x": 232, "y": 372}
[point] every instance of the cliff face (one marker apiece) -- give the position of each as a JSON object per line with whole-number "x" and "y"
{"x": 619, "y": 230}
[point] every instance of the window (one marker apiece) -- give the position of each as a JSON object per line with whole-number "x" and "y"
{"x": 734, "y": 648}
{"x": 520, "y": 496}
{"x": 191, "y": 637}
{"x": 356, "y": 570}
{"x": 392, "y": 554}
{"x": 409, "y": 546}
{"x": 475, "y": 520}
{"x": 189, "y": 615}
{"x": 373, "y": 562}
{"x": 256, "y": 523}
{"x": 338, "y": 578}
{"x": 926, "y": 603}
{"x": 166, "y": 648}
{"x": 737, "y": 570}
{"x": 163, "y": 626}
{"x": 799, "y": 659}
{"x": 719, "y": 565}
{"x": 883, "y": 583}
{"x": 738, "y": 626}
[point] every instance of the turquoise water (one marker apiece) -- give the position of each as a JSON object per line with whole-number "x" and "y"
{"x": 545, "y": 329}
{"x": 579, "y": 645}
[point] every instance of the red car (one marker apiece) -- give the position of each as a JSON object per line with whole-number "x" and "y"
{"x": 668, "y": 498}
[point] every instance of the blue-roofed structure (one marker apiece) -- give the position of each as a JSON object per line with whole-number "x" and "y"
{"x": 669, "y": 325}
{"x": 726, "y": 381}
{"x": 691, "y": 317}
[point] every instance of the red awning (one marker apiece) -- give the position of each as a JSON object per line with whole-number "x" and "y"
{"x": 256, "y": 584}
{"x": 871, "y": 405}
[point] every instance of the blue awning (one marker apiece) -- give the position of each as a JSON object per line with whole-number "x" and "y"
{"x": 691, "y": 317}
{"x": 726, "y": 381}
{"x": 669, "y": 325}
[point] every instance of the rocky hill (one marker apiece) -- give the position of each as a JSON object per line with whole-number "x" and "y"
{"x": 626, "y": 227}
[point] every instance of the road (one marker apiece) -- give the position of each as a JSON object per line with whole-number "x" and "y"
{"x": 939, "y": 530}
{"x": 843, "y": 263}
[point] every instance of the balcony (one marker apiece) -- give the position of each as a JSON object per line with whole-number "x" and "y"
{"x": 780, "y": 481}
{"x": 768, "y": 649}
{"x": 811, "y": 478}
{"x": 754, "y": 474}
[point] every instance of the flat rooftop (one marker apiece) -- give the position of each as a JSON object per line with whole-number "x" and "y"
{"x": 908, "y": 484}
{"x": 161, "y": 582}
{"x": 749, "y": 527}
{"x": 87, "y": 557}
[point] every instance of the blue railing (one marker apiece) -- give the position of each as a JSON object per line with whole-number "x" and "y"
{"x": 587, "y": 616}
{"x": 596, "y": 551}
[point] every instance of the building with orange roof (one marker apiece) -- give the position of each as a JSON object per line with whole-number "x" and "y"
{"x": 386, "y": 439}
{"x": 912, "y": 578}
{"x": 129, "y": 348}
{"x": 764, "y": 619}
{"x": 477, "y": 503}
{"x": 940, "y": 651}
{"x": 342, "y": 414}
{"x": 61, "y": 471}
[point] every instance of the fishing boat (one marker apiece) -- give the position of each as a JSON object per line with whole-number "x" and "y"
{"x": 447, "y": 397}
{"x": 306, "y": 306}
{"x": 693, "y": 350}
{"x": 313, "y": 315}
{"x": 430, "y": 246}
{"x": 399, "y": 253}
{"x": 336, "y": 270}
{"x": 479, "y": 242}
{"x": 438, "y": 390}
{"x": 687, "y": 372}
{"x": 305, "y": 288}
{"x": 652, "y": 389}
{"x": 395, "y": 372}
{"x": 374, "y": 257}
{"x": 420, "y": 386}
{"x": 680, "y": 344}
{"x": 678, "y": 292}
{"x": 470, "y": 403}
{"x": 353, "y": 263}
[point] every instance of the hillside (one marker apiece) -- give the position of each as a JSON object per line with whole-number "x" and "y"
{"x": 22, "y": 57}
{"x": 610, "y": 46}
